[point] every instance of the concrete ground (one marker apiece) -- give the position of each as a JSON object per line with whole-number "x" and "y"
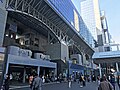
{"x": 60, "y": 86}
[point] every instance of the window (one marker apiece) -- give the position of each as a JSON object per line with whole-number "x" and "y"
{"x": 27, "y": 42}
{"x": 36, "y": 42}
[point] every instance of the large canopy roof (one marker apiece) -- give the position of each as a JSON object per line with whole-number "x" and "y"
{"x": 106, "y": 57}
{"x": 38, "y": 8}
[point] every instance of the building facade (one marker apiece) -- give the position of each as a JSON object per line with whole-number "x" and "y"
{"x": 91, "y": 16}
{"x": 42, "y": 36}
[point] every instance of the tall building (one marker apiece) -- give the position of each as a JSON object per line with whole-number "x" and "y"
{"x": 105, "y": 28}
{"x": 91, "y": 16}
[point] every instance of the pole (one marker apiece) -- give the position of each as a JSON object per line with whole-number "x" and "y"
{"x": 117, "y": 67}
{"x": 100, "y": 70}
{"x": 38, "y": 70}
{"x": 24, "y": 73}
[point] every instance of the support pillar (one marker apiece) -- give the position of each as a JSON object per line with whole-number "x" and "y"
{"x": 7, "y": 67}
{"x": 117, "y": 67}
{"x": 38, "y": 70}
{"x": 100, "y": 70}
{"x": 55, "y": 72}
{"x": 24, "y": 73}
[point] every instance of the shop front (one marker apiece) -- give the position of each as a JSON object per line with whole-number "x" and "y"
{"x": 76, "y": 70}
{"x": 21, "y": 67}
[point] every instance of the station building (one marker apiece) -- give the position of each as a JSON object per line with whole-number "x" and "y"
{"x": 36, "y": 35}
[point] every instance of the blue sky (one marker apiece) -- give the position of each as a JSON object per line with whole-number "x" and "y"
{"x": 112, "y": 11}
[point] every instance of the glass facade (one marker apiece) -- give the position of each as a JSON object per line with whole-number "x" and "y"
{"x": 68, "y": 11}
{"x": 84, "y": 32}
{"x": 91, "y": 16}
{"x": 64, "y": 8}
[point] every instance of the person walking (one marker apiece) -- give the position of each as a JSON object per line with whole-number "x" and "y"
{"x": 112, "y": 81}
{"x": 98, "y": 80}
{"x": 43, "y": 79}
{"x": 105, "y": 84}
{"x": 118, "y": 81}
{"x": 84, "y": 80}
{"x": 7, "y": 82}
{"x": 69, "y": 82}
{"x": 37, "y": 83}
{"x": 31, "y": 78}
{"x": 81, "y": 80}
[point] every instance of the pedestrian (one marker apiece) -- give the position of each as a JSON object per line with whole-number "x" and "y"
{"x": 43, "y": 79}
{"x": 37, "y": 83}
{"x": 88, "y": 78}
{"x": 83, "y": 80}
{"x": 93, "y": 78}
{"x": 60, "y": 77}
{"x": 80, "y": 80}
{"x": 7, "y": 82}
{"x": 31, "y": 80}
{"x": 118, "y": 81}
{"x": 98, "y": 80}
{"x": 69, "y": 82}
{"x": 105, "y": 84}
{"x": 112, "y": 81}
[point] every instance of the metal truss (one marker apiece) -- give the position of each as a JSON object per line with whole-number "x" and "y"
{"x": 31, "y": 8}
{"x": 43, "y": 13}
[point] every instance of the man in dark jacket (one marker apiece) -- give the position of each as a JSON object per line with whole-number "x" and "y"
{"x": 37, "y": 83}
{"x": 112, "y": 81}
{"x": 105, "y": 84}
{"x": 118, "y": 80}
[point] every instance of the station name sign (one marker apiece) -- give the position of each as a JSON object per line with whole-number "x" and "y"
{"x": 19, "y": 52}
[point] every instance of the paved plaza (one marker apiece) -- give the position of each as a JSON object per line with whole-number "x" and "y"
{"x": 61, "y": 86}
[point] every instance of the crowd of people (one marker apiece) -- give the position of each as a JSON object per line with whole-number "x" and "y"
{"x": 104, "y": 82}
{"x": 108, "y": 82}
{"x": 35, "y": 81}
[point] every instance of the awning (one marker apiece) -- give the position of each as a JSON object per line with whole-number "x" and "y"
{"x": 12, "y": 59}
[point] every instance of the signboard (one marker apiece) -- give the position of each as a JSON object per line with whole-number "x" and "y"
{"x": 76, "y": 21}
{"x": 13, "y": 50}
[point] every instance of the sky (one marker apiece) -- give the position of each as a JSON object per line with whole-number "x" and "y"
{"x": 112, "y": 11}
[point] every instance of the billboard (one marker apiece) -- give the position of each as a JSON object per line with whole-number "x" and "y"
{"x": 76, "y": 21}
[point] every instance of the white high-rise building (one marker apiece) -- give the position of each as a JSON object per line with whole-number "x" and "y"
{"x": 91, "y": 16}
